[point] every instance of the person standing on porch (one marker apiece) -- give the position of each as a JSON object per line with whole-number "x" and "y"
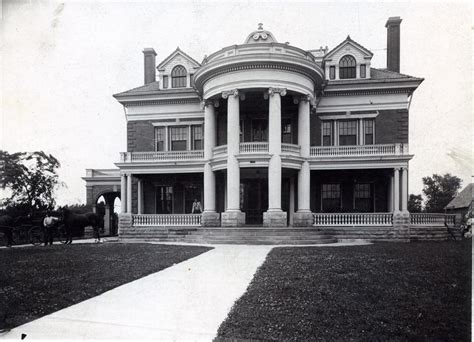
{"x": 196, "y": 209}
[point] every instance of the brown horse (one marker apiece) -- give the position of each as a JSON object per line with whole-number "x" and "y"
{"x": 73, "y": 221}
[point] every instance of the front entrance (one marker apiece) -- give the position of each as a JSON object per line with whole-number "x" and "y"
{"x": 254, "y": 199}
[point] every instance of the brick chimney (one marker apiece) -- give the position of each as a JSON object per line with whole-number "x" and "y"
{"x": 393, "y": 43}
{"x": 149, "y": 55}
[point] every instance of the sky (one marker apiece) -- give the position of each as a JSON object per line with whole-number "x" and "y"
{"x": 62, "y": 61}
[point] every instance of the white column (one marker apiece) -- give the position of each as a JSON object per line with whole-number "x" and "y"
{"x": 233, "y": 169}
{"x": 404, "y": 194}
{"x": 123, "y": 193}
{"x": 140, "y": 196}
{"x": 361, "y": 132}
{"x": 129, "y": 193}
{"x": 396, "y": 190}
{"x": 274, "y": 148}
{"x": 304, "y": 142}
{"x": 209, "y": 144}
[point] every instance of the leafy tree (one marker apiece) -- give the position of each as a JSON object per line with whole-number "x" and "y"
{"x": 415, "y": 203}
{"x": 439, "y": 191}
{"x": 31, "y": 178}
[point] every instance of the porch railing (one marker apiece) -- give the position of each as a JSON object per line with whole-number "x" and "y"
{"x": 290, "y": 148}
{"x": 130, "y": 157}
{"x": 359, "y": 150}
{"x": 167, "y": 220}
{"x": 432, "y": 219}
{"x": 353, "y": 219}
{"x": 253, "y": 147}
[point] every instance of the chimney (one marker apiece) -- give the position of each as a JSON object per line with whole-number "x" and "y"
{"x": 149, "y": 55}
{"x": 393, "y": 43}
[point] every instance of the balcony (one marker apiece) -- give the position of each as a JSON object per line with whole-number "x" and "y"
{"x": 165, "y": 156}
{"x": 359, "y": 151}
{"x": 256, "y": 148}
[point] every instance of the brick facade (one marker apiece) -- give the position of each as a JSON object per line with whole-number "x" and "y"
{"x": 140, "y": 136}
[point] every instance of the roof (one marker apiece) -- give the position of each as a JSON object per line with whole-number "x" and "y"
{"x": 154, "y": 88}
{"x": 349, "y": 40}
{"x": 463, "y": 199}
{"x": 385, "y": 73}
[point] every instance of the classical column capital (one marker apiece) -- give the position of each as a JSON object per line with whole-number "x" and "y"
{"x": 273, "y": 91}
{"x": 301, "y": 98}
{"x": 227, "y": 93}
{"x": 209, "y": 102}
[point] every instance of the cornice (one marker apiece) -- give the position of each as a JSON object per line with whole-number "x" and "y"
{"x": 161, "y": 102}
{"x": 367, "y": 92}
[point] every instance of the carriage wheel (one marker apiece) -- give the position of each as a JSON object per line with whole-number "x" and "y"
{"x": 36, "y": 235}
{"x": 62, "y": 234}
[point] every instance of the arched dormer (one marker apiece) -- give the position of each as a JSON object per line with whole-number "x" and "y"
{"x": 177, "y": 70}
{"x": 349, "y": 60}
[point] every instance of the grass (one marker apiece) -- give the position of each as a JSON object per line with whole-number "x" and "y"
{"x": 36, "y": 281}
{"x": 390, "y": 291}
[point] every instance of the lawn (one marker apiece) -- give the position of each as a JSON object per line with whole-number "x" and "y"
{"x": 386, "y": 291}
{"x": 36, "y": 281}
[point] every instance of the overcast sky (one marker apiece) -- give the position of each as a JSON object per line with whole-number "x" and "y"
{"x": 61, "y": 63}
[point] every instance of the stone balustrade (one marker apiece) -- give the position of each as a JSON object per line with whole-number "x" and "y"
{"x": 131, "y": 157}
{"x": 166, "y": 220}
{"x": 253, "y": 147}
{"x": 359, "y": 150}
{"x": 433, "y": 219}
{"x": 353, "y": 219}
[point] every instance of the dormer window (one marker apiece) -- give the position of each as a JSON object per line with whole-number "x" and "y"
{"x": 178, "y": 77}
{"x": 347, "y": 67}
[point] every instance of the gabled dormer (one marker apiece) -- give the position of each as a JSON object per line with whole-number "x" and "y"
{"x": 177, "y": 70}
{"x": 349, "y": 60}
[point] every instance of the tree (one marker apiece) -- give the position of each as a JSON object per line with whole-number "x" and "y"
{"x": 31, "y": 178}
{"x": 415, "y": 203}
{"x": 439, "y": 191}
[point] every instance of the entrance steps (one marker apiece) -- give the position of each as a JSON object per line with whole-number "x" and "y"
{"x": 242, "y": 235}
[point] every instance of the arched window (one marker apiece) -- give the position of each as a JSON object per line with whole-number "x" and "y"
{"x": 178, "y": 77}
{"x": 347, "y": 67}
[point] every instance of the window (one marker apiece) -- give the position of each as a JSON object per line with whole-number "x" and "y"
{"x": 369, "y": 132}
{"x": 347, "y": 132}
{"x": 178, "y": 77}
{"x": 241, "y": 131}
{"x": 362, "y": 71}
{"x": 191, "y": 80}
{"x": 259, "y": 130}
{"x": 178, "y": 138}
{"x": 286, "y": 131}
{"x": 347, "y": 67}
{"x": 196, "y": 137}
{"x": 160, "y": 138}
{"x": 327, "y": 133}
{"x": 331, "y": 197}
{"x": 164, "y": 200}
{"x": 363, "y": 197}
{"x": 165, "y": 82}
{"x": 332, "y": 72}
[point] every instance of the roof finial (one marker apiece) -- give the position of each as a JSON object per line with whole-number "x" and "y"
{"x": 260, "y": 26}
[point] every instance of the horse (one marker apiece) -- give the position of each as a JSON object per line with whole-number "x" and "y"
{"x": 73, "y": 221}
{"x": 6, "y": 225}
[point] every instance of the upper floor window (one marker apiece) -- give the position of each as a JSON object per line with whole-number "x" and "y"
{"x": 178, "y": 77}
{"x": 327, "y": 133}
{"x": 196, "y": 134}
{"x": 286, "y": 136}
{"x": 347, "y": 67}
{"x": 348, "y": 132}
{"x": 165, "y": 81}
{"x": 362, "y": 71}
{"x": 369, "y": 132}
{"x": 332, "y": 72}
{"x": 178, "y": 138}
{"x": 160, "y": 138}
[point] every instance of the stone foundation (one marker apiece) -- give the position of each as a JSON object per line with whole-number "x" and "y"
{"x": 303, "y": 219}
{"x": 124, "y": 222}
{"x": 210, "y": 219}
{"x": 274, "y": 219}
{"x": 401, "y": 226}
{"x": 233, "y": 219}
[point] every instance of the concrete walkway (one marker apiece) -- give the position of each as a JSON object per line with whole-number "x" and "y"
{"x": 187, "y": 301}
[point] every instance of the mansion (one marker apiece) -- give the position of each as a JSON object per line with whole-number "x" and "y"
{"x": 267, "y": 134}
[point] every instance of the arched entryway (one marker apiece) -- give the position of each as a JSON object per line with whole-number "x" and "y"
{"x": 107, "y": 205}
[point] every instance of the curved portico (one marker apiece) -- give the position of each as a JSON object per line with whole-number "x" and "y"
{"x": 263, "y": 70}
